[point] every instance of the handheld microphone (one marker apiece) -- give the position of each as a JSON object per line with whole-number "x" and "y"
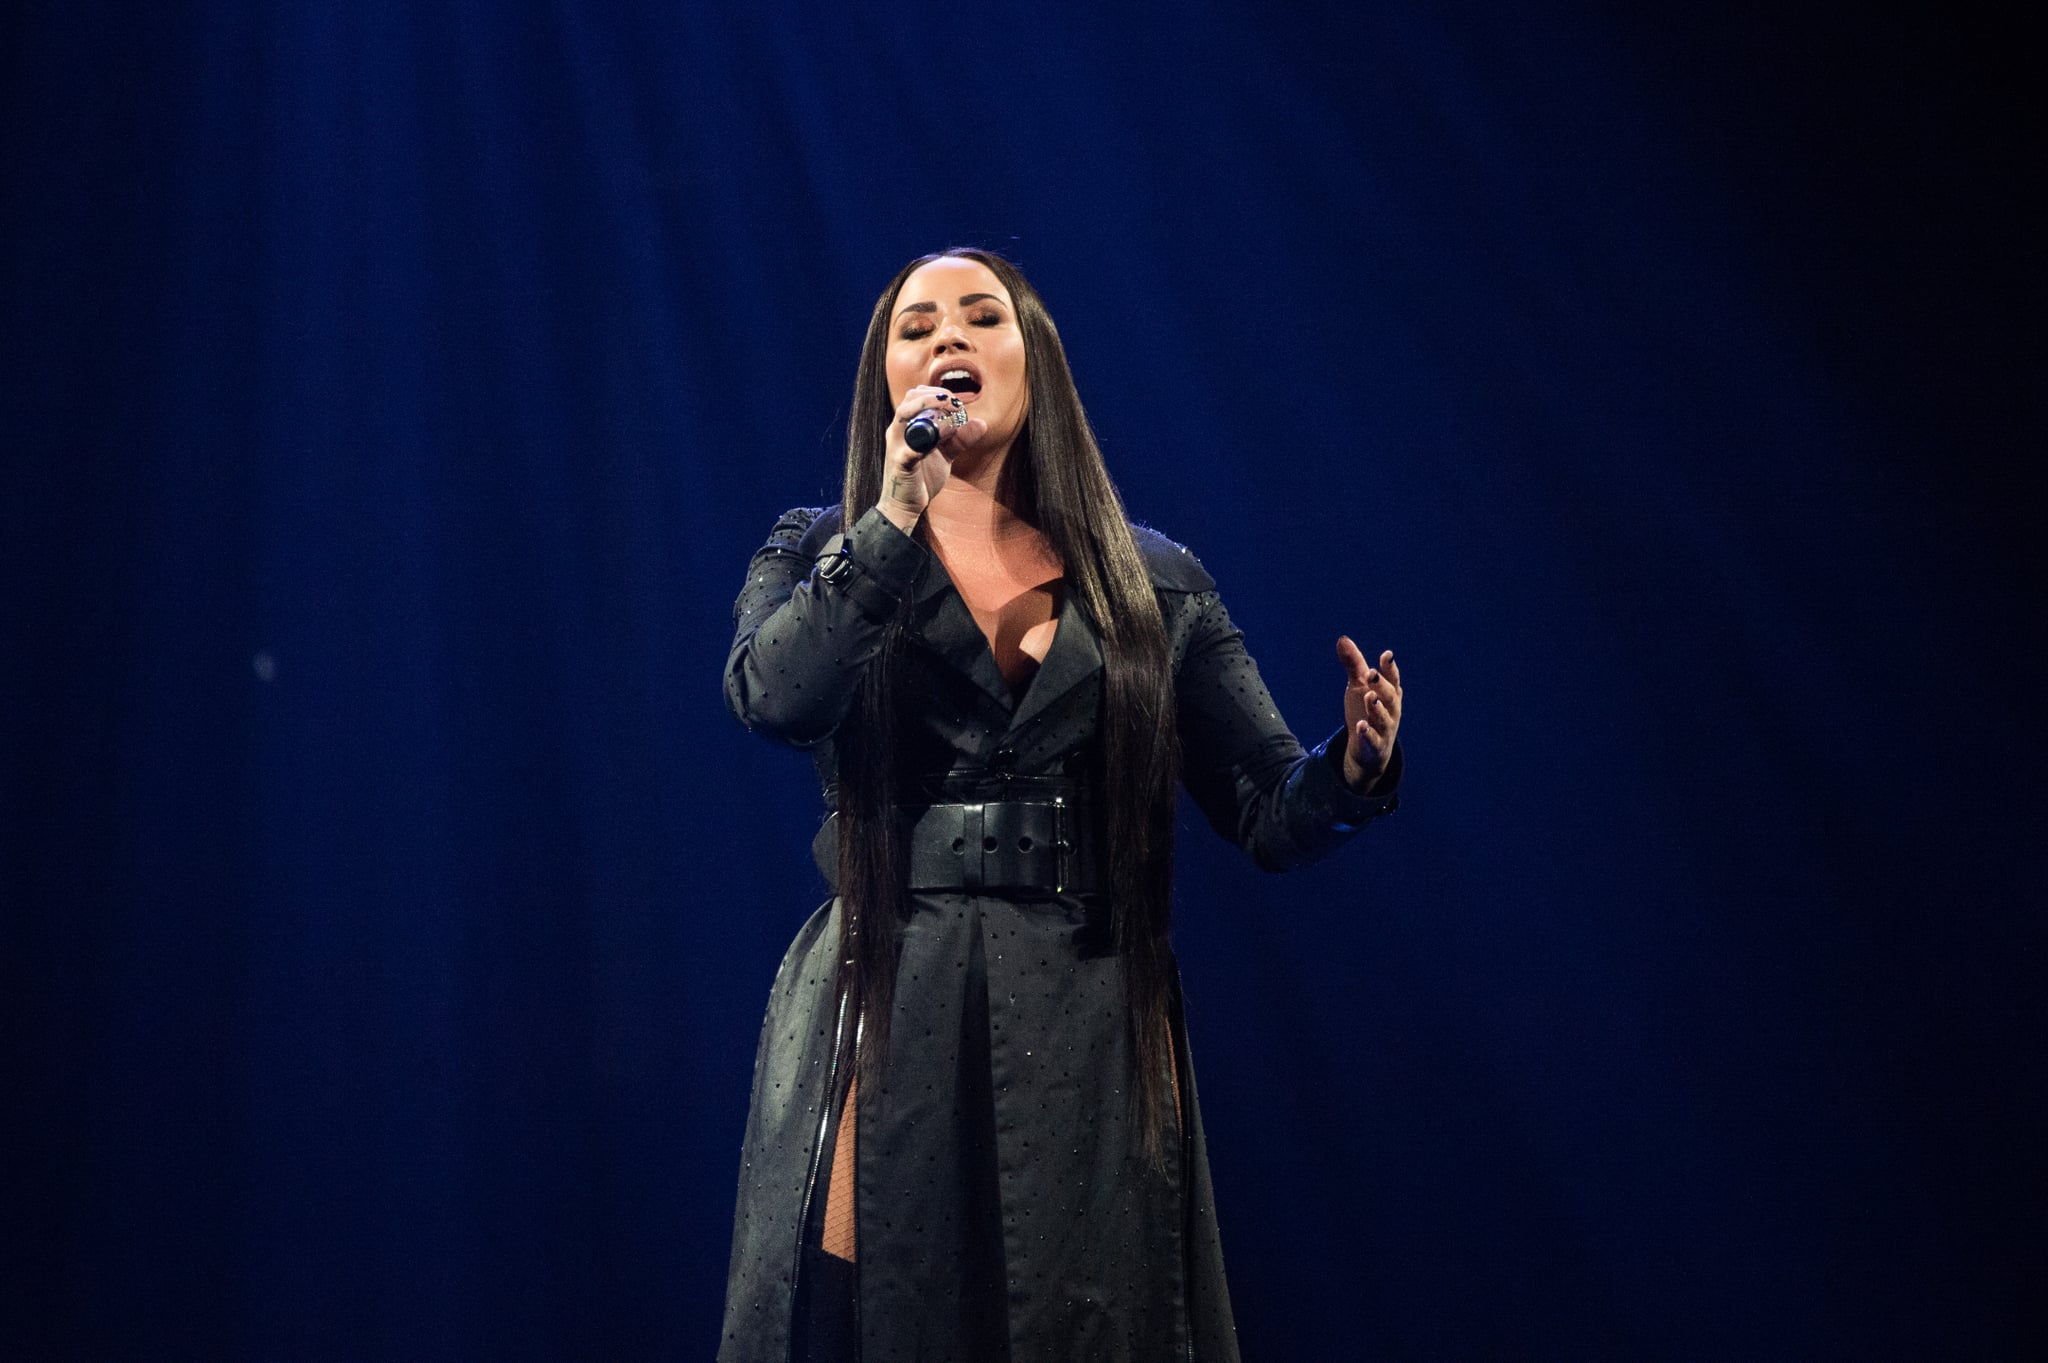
{"x": 922, "y": 431}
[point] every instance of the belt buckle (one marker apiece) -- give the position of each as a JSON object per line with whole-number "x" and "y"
{"x": 1062, "y": 845}
{"x": 974, "y": 846}
{"x": 1020, "y": 845}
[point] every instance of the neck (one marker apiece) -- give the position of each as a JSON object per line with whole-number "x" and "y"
{"x": 971, "y": 502}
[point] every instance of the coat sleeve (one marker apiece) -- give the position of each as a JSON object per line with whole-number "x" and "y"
{"x": 1245, "y": 768}
{"x": 810, "y": 618}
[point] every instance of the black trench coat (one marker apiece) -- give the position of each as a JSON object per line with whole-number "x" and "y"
{"x": 1003, "y": 1205}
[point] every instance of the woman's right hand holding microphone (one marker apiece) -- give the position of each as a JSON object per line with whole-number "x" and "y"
{"x": 911, "y": 479}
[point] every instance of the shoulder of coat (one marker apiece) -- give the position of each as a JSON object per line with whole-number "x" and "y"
{"x": 1171, "y": 566}
{"x": 806, "y": 528}
{"x": 826, "y": 535}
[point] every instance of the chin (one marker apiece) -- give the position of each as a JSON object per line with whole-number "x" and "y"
{"x": 993, "y": 439}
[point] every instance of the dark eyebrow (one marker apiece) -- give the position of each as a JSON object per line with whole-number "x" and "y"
{"x": 965, "y": 299}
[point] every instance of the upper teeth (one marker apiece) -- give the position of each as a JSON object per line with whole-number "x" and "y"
{"x": 955, "y": 374}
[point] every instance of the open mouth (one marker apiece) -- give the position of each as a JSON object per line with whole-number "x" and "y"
{"x": 959, "y": 380}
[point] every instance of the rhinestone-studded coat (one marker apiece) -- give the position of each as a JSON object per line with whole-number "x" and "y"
{"x": 1003, "y": 1206}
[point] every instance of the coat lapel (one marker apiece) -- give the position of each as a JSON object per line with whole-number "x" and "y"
{"x": 1075, "y": 656}
{"x": 948, "y": 629}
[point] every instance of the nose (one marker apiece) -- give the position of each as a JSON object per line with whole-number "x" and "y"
{"x": 948, "y": 338}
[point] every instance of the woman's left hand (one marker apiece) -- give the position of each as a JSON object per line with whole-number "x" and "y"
{"x": 1372, "y": 714}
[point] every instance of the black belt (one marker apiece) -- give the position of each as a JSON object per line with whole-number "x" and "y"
{"x": 1044, "y": 845}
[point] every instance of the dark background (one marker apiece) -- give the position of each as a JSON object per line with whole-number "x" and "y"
{"x": 392, "y": 393}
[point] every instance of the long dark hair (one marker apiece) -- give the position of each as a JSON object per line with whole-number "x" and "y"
{"x": 1055, "y": 477}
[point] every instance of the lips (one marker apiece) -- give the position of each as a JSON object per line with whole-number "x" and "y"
{"x": 957, "y": 376}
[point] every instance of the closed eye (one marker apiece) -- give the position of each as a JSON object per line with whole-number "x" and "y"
{"x": 916, "y": 327}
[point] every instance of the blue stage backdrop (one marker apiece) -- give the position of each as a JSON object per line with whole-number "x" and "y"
{"x": 393, "y": 393}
